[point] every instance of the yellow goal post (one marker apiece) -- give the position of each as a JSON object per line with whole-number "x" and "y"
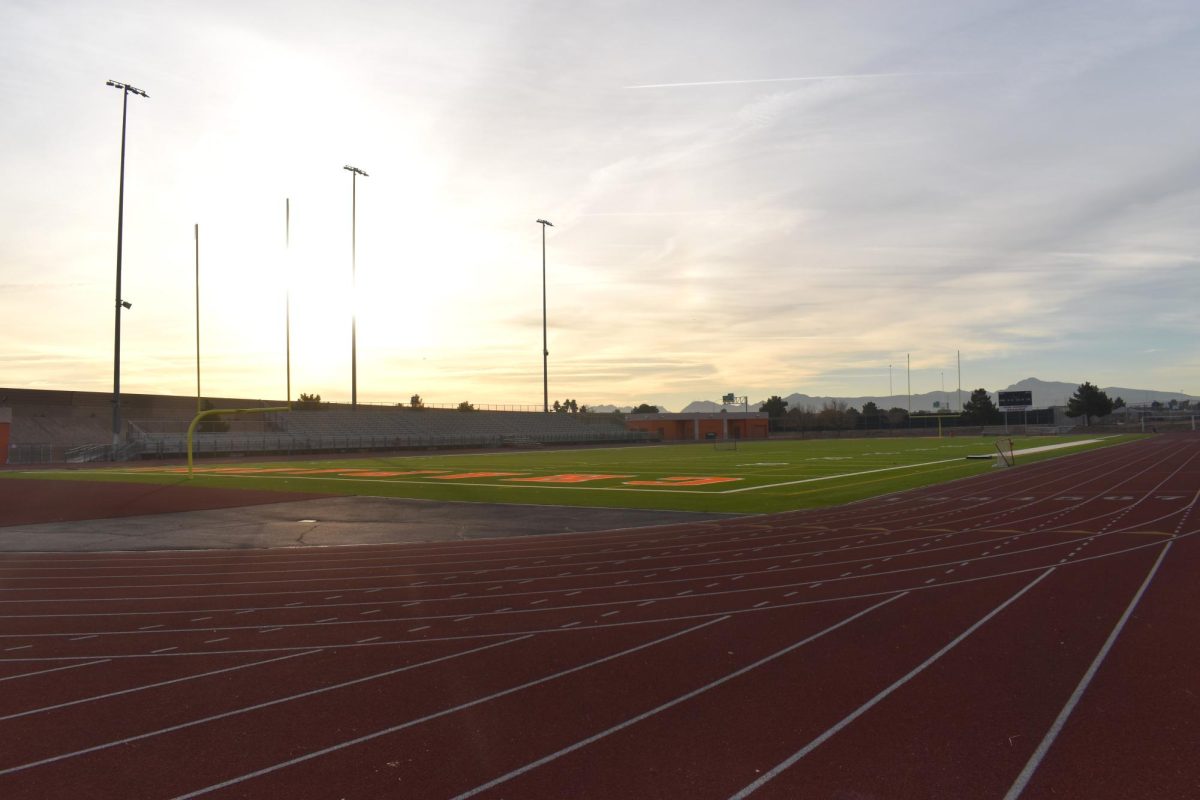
{"x": 213, "y": 412}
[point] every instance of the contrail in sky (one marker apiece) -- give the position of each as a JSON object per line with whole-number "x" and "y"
{"x": 857, "y": 76}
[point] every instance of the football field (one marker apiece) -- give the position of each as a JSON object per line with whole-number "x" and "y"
{"x": 755, "y": 477}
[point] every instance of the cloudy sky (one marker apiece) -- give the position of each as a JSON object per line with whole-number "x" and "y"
{"x": 749, "y": 197}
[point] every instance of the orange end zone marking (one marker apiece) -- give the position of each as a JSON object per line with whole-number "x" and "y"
{"x": 568, "y": 478}
{"x": 682, "y": 481}
{"x": 464, "y": 475}
{"x": 394, "y": 474}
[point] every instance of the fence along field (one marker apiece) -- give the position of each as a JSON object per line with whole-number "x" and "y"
{"x": 758, "y": 477}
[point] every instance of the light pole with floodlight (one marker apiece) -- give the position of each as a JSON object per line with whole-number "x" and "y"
{"x": 545, "y": 351}
{"x": 126, "y": 90}
{"x": 354, "y": 173}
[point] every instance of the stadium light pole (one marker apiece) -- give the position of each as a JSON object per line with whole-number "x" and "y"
{"x": 545, "y": 351}
{"x": 354, "y": 173}
{"x": 126, "y": 90}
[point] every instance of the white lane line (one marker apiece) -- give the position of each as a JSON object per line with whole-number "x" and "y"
{"x": 867, "y": 706}
{"x": 609, "y": 613}
{"x": 422, "y": 628}
{"x": 270, "y": 630}
{"x": 22, "y": 647}
{"x": 150, "y": 685}
{"x": 410, "y": 604}
{"x": 327, "y": 619}
{"x": 670, "y": 703}
{"x": 763, "y": 603}
{"x": 164, "y": 649}
{"x": 645, "y": 603}
{"x": 214, "y": 641}
{"x": 568, "y": 625}
{"x": 372, "y": 611}
{"x": 255, "y": 707}
{"x": 446, "y": 711}
{"x": 464, "y": 619}
{"x": 150, "y": 627}
{"x": 1036, "y": 759}
{"x": 52, "y": 669}
{"x": 371, "y": 639}
{"x": 81, "y": 638}
{"x": 199, "y": 619}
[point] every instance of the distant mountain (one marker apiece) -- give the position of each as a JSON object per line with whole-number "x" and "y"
{"x": 609, "y": 409}
{"x": 1045, "y": 393}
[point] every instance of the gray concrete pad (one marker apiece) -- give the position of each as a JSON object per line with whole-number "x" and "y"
{"x": 328, "y": 522}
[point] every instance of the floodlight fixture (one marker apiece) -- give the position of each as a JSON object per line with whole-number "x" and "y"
{"x": 126, "y": 90}
{"x": 126, "y": 304}
{"x": 356, "y": 171}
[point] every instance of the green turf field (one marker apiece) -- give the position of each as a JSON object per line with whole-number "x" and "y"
{"x": 756, "y": 477}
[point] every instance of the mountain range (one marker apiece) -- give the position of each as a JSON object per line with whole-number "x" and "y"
{"x": 1045, "y": 393}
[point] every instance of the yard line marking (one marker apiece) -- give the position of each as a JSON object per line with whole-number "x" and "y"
{"x": 255, "y": 707}
{"x": 444, "y": 712}
{"x": 867, "y": 706}
{"x": 149, "y": 685}
{"x": 670, "y": 703}
{"x": 52, "y": 669}
{"x": 1035, "y": 760}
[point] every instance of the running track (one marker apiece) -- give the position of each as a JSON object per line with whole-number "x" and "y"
{"x": 1029, "y": 633}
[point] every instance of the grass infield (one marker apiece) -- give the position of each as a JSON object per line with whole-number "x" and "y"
{"x": 758, "y": 477}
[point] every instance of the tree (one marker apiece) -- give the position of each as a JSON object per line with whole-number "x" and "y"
{"x": 645, "y": 408}
{"x": 465, "y": 406}
{"x": 557, "y": 407}
{"x": 980, "y": 410}
{"x": 416, "y": 402}
{"x": 1120, "y": 403}
{"x": 1087, "y": 402}
{"x": 870, "y": 414}
{"x": 308, "y": 402}
{"x": 775, "y": 406}
{"x": 897, "y": 417}
{"x": 213, "y": 424}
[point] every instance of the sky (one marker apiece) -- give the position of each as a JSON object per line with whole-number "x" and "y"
{"x": 750, "y": 197}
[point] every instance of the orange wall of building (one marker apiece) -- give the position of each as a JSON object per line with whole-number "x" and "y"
{"x": 4, "y": 435}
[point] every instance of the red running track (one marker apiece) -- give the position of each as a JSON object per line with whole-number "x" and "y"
{"x": 1029, "y": 633}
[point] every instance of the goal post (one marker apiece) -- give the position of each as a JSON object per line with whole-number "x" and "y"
{"x": 725, "y": 444}
{"x": 1004, "y": 453}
